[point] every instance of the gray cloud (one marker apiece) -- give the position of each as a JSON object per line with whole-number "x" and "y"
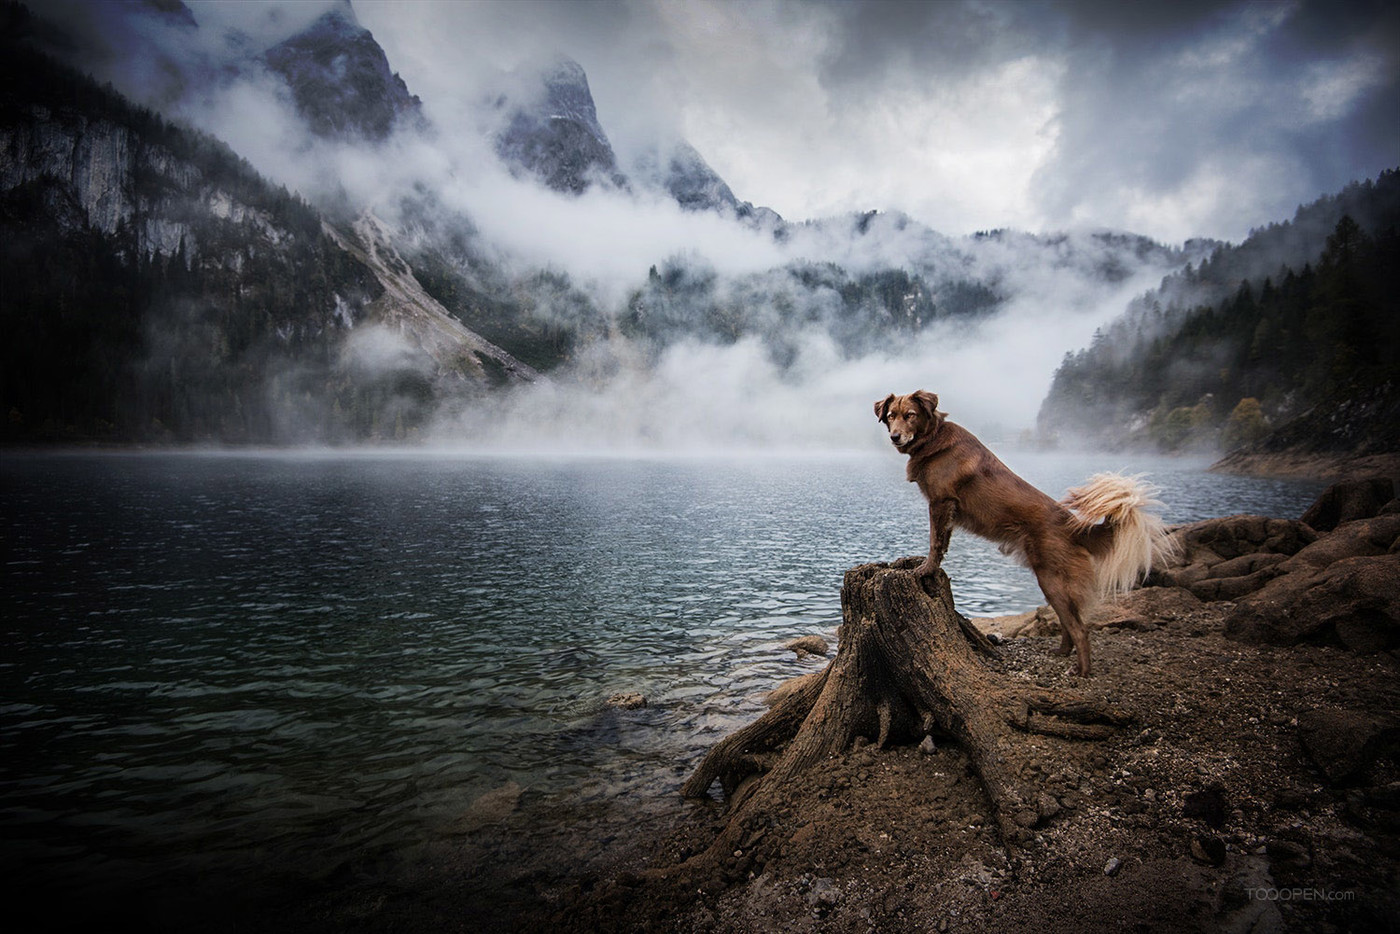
{"x": 1175, "y": 120}
{"x": 1203, "y": 118}
{"x": 1223, "y": 120}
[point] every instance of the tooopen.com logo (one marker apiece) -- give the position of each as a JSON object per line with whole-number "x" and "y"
{"x": 1300, "y": 895}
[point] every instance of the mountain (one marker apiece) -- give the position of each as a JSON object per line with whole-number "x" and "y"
{"x": 172, "y": 11}
{"x": 247, "y": 313}
{"x": 682, "y": 173}
{"x": 341, "y": 81}
{"x": 157, "y": 288}
{"x": 423, "y": 325}
{"x": 889, "y": 280}
{"x": 556, "y": 136}
{"x": 1290, "y": 340}
{"x": 551, "y": 132}
{"x": 338, "y": 79}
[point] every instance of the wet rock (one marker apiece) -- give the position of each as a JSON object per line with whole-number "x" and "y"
{"x": 1343, "y": 502}
{"x": 1355, "y": 599}
{"x": 1343, "y": 743}
{"x": 1288, "y": 851}
{"x": 629, "y": 700}
{"x": 805, "y": 646}
{"x": 1232, "y": 588}
{"x": 1246, "y": 565}
{"x": 809, "y": 645}
{"x": 1212, "y": 541}
{"x": 490, "y": 808}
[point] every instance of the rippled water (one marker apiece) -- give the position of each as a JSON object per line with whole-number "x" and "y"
{"x": 277, "y": 662}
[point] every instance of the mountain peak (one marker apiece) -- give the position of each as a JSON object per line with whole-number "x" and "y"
{"x": 556, "y": 136}
{"x": 173, "y": 11}
{"x": 340, "y": 79}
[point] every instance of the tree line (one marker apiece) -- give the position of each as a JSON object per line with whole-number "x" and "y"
{"x": 1225, "y": 373}
{"x": 235, "y": 334}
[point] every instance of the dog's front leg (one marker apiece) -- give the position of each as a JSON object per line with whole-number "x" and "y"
{"x": 940, "y": 531}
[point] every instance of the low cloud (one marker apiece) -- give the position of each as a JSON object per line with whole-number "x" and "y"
{"x": 991, "y": 375}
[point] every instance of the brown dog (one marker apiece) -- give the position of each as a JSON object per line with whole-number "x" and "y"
{"x": 1099, "y": 541}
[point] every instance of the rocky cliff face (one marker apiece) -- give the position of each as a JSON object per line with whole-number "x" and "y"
{"x": 341, "y": 81}
{"x": 429, "y": 333}
{"x": 117, "y": 176}
{"x": 557, "y": 137}
{"x": 682, "y": 173}
{"x": 157, "y": 287}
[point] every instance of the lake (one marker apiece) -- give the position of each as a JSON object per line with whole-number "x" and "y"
{"x": 258, "y": 663}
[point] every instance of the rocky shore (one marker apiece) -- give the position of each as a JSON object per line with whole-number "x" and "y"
{"x": 1256, "y": 789}
{"x": 1322, "y": 466}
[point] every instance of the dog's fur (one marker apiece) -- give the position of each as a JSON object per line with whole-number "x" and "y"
{"x": 1099, "y": 541}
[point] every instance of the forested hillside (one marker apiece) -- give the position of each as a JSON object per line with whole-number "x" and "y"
{"x": 1310, "y": 319}
{"x": 156, "y": 288}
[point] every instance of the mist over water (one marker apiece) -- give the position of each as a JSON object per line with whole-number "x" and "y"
{"x": 235, "y": 665}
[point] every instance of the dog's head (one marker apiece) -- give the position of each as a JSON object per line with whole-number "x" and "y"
{"x": 909, "y": 418}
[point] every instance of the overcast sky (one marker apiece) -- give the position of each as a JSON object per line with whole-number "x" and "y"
{"x": 1172, "y": 119}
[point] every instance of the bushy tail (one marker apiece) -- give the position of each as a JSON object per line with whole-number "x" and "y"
{"x": 1132, "y": 537}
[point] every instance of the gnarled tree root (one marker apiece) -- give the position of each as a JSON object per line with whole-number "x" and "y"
{"x": 905, "y": 668}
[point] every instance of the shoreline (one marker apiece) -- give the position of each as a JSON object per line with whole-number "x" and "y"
{"x": 1334, "y": 468}
{"x": 1212, "y": 794}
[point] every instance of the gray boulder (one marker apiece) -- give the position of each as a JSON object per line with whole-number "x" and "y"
{"x": 1225, "y": 559}
{"x": 1343, "y": 502}
{"x": 1358, "y": 539}
{"x": 1343, "y": 743}
{"x": 1355, "y": 600}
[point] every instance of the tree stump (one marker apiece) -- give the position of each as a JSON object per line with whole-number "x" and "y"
{"x": 906, "y": 667}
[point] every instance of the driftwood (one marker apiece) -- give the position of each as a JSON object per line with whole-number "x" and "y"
{"x": 906, "y": 667}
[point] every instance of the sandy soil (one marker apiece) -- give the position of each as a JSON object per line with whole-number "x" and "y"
{"x": 1213, "y": 811}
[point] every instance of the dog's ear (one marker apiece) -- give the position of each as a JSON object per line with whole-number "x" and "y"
{"x": 882, "y": 407}
{"x": 927, "y": 403}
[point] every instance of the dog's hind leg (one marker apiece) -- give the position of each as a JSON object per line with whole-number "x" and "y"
{"x": 940, "y": 533}
{"x": 1058, "y": 582}
{"x": 1075, "y": 633}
